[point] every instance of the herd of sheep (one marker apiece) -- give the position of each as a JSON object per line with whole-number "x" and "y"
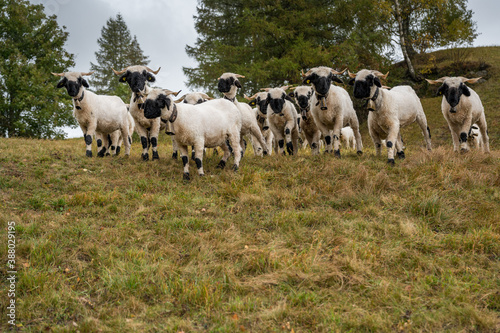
{"x": 270, "y": 119}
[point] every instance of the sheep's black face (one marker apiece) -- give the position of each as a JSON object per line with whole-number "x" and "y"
{"x": 153, "y": 107}
{"x": 321, "y": 83}
{"x": 225, "y": 85}
{"x": 303, "y": 100}
{"x": 362, "y": 88}
{"x": 73, "y": 87}
{"x": 137, "y": 80}
{"x": 453, "y": 94}
{"x": 276, "y": 104}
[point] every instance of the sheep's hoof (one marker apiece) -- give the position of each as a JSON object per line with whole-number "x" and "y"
{"x": 265, "y": 153}
{"x": 360, "y": 153}
{"x": 235, "y": 168}
{"x": 155, "y": 156}
{"x": 101, "y": 153}
{"x": 185, "y": 176}
{"x": 108, "y": 154}
{"x": 174, "y": 155}
{"x": 215, "y": 152}
{"x": 289, "y": 148}
{"x": 391, "y": 162}
{"x": 464, "y": 150}
{"x": 221, "y": 165}
{"x": 145, "y": 157}
{"x": 401, "y": 155}
{"x": 117, "y": 151}
{"x": 265, "y": 128}
{"x": 88, "y": 153}
{"x": 336, "y": 153}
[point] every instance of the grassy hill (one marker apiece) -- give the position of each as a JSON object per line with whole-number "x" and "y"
{"x": 302, "y": 244}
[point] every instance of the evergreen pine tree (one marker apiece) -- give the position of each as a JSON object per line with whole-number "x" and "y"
{"x": 31, "y": 47}
{"x": 117, "y": 49}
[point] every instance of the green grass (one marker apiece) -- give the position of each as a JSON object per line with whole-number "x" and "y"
{"x": 304, "y": 243}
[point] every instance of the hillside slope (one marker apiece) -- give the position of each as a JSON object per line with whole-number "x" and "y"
{"x": 303, "y": 243}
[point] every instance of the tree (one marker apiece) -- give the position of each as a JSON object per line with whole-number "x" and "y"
{"x": 271, "y": 41}
{"x": 117, "y": 49}
{"x": 31, "y": 47}
{"x": 420, "y": 25}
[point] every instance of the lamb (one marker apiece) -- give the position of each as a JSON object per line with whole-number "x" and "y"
{"x": 332, "y": 108}
{"x": 192, "y": 98}
{"x": 389, "y": 111}
{"x": 115, "y": 139}
{"x": 282, "y": 117}
{"x": 228, "y": 85}
{"x": 475, "y": 138}
{"x": 96, "y": 113}
{"x": 208, "y": 124}
{"x": 462, "y": 107}
{"x": 259, "y": 101}
{"x": 307, "y": 125}
{"x": 147, "y": 129}
{"x": 347, "y": 135}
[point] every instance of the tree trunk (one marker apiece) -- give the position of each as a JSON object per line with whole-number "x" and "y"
{"x": 402, "y": 41}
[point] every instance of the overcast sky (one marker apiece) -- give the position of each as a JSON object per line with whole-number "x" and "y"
{"x": 164, "y": 28}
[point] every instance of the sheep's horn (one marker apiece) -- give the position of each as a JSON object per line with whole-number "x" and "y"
{"x": 440, "y": 80}
{"x": 180, "y": 99}
{"x": 169, "y": 92}
{"x": 238, "y": 76}
{"x": 351, "y": 75}
{"x": 466, "y": 80}
{"x": 252, "y": 97}
{"x": 338, "y": 73}
{"x": 380, "y": 75}
{"x": 309, "y": 72}
{"x": 119, "y": 72}
{"x": 265, "y": 89}
{"x": 58, "y": 74}
{"x": 87, "y": 74}
{"x": 205, "y": 96}
{"x": 302, "y": 73}
{"x": 285, "y": 88}
{"x": 152, "y": 71}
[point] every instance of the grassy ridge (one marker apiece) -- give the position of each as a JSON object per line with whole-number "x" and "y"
{"x": 304, "y": 243}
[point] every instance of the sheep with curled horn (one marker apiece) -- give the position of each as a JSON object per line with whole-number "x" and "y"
{"x": 390, "y": 110}
{"x": 137, "y": 77}
{"x": 462, "y": 107}
{"x": 228, "y": 84}
{"x": 97, "y": 115}
{"x": 332, "y": 108}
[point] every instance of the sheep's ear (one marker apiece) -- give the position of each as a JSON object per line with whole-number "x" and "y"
{"x": 85, "y": 83}
{"x": 62, "y": 83}
{"x": 123, "y": 78}
{"x": 465, "y": 90}
{"x": 307, "y": 80}
{"x": 237, "y": 83}
{"x": 291, "y": 94}
{"x": 336, "y": 79}
{"x": 150, "y": 77}
{"x": 377, "y": 82}
{"x": 253, "y": 102}
{"x": 441, "y": 90}
{"x": 351, "y": 81}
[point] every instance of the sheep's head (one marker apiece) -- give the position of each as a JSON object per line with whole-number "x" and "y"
{"x": 321, "y": 79}
{"x": 229, "y": 83}
{"x": 453, "y": 88}
{"x": 302, "y": 95}
{"x": 160, "y": 103}
{"x": 276, "y": 99}
{"x": 259, "y": 100}
{"x": 73, "y": 82}
{"x": 194, "y": 98}
{"x": 366, "y": 82}
{"x": 136, "y": 77}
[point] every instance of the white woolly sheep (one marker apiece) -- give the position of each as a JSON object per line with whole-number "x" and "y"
{"x": 259, "y": 102}
{"x": 462, "y": 107}
{"x": 115, "y": 139}
{"x": 209, "y": 124}
{"x": 228, "y": 85}
{"x": 347, "y": 135}
{"x": 389, "y": 111}
{"x": 475, "y": 138}
{"x": 332, "y": 108}
{"x": 307, "y": 125}
{"x": 147, "y": 129}
{"x": 95, "y": 113}
{"x": 282, "y": 117}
